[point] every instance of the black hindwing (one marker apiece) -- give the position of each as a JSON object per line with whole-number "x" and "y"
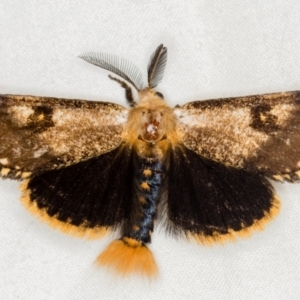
{"x": 207, "y": 198}
{"x": 92, "y": 193}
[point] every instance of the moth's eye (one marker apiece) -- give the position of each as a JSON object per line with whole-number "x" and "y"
{"x": 159, "y": 95}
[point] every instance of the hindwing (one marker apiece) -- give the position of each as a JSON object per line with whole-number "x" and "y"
{"x": 211, "y": 202}
{"x": 86, "y": 198}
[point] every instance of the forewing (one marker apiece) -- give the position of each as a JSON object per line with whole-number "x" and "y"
{"x": 43, "y": 133}
{"x": 257, "y": 133}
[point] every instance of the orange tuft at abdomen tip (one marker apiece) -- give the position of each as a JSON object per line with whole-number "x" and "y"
{"x": 127, "y": 257}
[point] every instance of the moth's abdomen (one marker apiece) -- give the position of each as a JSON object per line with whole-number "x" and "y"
{"x": 148, "y": 180}
{"x": 130, "y": 254}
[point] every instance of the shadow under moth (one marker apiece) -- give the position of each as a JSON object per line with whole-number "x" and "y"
{"x": 201, "y": 169}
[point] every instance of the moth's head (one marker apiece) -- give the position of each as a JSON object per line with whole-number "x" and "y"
{"x": 151, "y": 120}
{"x": 150, "y": 123}
{"x": 131, "y": 74}
{"x": 151, "y": 129}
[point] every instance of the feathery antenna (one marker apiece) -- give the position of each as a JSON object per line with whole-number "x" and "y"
{"x": 156, "y": 66}
{"x": 119, "y": 66}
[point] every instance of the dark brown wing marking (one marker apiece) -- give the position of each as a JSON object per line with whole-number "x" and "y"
{"x": 258, "y": 133}
{"x": 42, "y": 133}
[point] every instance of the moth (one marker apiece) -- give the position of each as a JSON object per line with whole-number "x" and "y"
{"x": 200, "y": 170}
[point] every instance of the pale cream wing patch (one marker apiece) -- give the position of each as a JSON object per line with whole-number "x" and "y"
{"x": 257, "y": 133}
{"x": 40, "y": 133}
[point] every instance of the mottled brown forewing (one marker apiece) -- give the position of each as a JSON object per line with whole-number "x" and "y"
{"x": 42, "y": 133}
{"x": 258, "y": 133}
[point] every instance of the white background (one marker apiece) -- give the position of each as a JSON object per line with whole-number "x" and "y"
{"x": 216, "y": 49}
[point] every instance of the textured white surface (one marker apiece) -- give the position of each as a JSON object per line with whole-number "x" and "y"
{"x": 216, "y": 49}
